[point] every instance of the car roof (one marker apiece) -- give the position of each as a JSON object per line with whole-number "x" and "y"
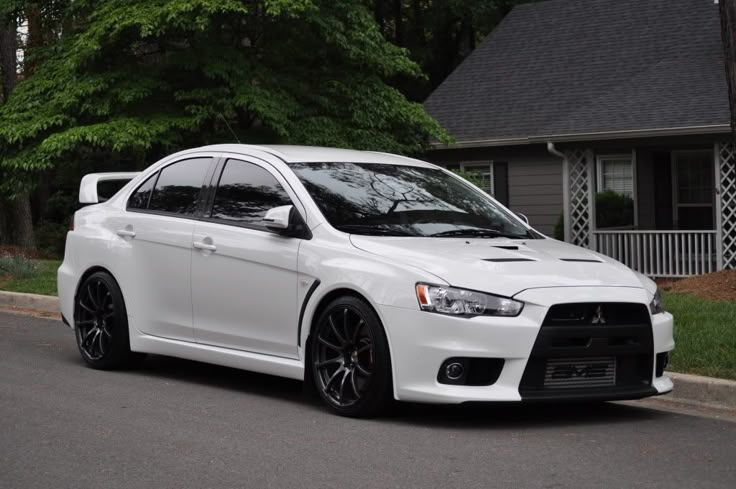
{"x": 315, "y": 154}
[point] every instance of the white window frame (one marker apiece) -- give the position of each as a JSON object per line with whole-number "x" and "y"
{"x": 470, "y": 165}
{"x": 599, "y": 178}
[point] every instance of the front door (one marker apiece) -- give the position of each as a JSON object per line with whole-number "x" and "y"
{"x": 244, "y": 277}
{"x": 692, "y": 182}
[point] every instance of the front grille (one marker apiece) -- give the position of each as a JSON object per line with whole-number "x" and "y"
{"x": 566, "y": 373}
{"x": 602, "y": 350}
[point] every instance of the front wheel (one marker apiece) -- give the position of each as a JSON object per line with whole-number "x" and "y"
{"x": 351, "y": 365}
{"x": 101, "y": 324}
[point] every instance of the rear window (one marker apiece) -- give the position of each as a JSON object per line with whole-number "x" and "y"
{"x": 178, "y": 187}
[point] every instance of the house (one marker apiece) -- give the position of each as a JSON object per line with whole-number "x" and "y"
{"x": 613, "y": 113}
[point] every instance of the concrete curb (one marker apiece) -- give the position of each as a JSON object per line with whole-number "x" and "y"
{"x": 703, "y": 390}
{"x": 35, "y": 302}
{"x": 690, "y": 389}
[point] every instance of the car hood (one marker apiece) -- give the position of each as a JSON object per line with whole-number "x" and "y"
{"x": 503, "y": 266}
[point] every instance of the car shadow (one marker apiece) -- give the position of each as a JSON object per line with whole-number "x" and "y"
{"x": 465, "y": 416}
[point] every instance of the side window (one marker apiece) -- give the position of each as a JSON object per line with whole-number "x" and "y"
{"x": 178, "y": 187}
{"x": 245, "y": 192}
{"x": 139, "y": 199}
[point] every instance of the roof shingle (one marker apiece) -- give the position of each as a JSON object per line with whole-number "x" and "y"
{"x": 582, "y": 66}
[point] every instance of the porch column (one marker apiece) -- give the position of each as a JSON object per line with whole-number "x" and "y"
{"x": 725, "y": 174}
{"x": 578, "y": 199}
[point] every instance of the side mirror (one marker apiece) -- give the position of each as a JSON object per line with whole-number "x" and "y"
{"x": 522, "y": 217}
{"x": 285, "y": 220}
{"x": 277, "y": 219}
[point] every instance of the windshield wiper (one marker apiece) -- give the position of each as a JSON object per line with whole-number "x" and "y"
{"x": 367, "y": 229}
{"x": 477, "y": 233}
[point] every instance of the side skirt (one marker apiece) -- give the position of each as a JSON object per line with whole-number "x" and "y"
{"x": 255, "y": 362}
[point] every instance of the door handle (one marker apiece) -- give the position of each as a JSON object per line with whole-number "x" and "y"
{"x": 204, "y": 246}
{"x": 126, "y": 233}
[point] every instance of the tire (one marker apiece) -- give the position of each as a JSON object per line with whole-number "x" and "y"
{"x": 101, "y": 324}
{"x": 350, "y": 359}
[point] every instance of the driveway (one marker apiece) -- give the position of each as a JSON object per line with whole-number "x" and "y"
{"x": 182, "y": 424}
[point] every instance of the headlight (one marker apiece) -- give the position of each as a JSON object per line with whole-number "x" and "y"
{"x": 656, "y": 306}
{"x": 461, "y": 302}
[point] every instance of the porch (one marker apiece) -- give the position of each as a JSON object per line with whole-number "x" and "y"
{"x": 663, "y": 211}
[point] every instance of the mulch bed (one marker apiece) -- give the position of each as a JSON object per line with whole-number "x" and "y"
{"x": 718, "y": 286}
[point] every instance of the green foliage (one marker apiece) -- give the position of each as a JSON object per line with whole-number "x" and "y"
{"x": 469, "y": 175}
{"x": 559, "y": 231}
{"x": 51, "y": 238}
{"x": 139, "y": 79}
{"x": 614, "y": 210}
{"x": 16, "y": 266}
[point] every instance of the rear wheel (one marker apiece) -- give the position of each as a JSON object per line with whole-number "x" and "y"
{"x": 101, "y": 324}
{"x": 351, "y": 365}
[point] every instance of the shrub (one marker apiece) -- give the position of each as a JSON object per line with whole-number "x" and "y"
{"x": 51, "y": 238}
{"x": 17, "y": 266}
{"x": 559, "y": 232}
{"x": 613, "y": 210}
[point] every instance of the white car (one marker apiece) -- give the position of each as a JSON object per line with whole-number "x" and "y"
{"x": 373, "y": 276}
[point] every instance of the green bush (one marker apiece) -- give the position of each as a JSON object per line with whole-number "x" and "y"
{"x": 17, "y": 266}
{"x": 613, "y": 210}
{"x": 559, "y": 232}
{"x": 51, "y": 238}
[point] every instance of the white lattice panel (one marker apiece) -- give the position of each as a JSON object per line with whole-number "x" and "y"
{"x": 579, "y": 197}
{"x": 727, "y": 166}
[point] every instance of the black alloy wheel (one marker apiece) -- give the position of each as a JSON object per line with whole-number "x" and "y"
{"x": 350, "y": 359}
{"x": 101, "y": 324}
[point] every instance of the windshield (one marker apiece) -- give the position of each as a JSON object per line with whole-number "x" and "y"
{"x": 393, "y": 200}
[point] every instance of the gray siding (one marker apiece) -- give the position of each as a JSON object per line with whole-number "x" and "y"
{"x": 534, "y": 175}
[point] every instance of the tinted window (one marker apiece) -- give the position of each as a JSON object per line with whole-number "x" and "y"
{"x": 400, "y": 200}
{"x": 178, "y": 186}
{"x": 245, "y": 192}
{"x": 139, "y": 199}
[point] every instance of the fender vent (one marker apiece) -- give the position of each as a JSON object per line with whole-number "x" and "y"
{"x": 581, "y": 260}
{"x": 506, "y": 260}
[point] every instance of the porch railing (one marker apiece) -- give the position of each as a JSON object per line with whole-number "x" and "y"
{"x": 660, "y": 253}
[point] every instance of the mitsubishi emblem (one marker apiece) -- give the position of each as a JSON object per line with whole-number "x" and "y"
{"x": 598, "y": 316}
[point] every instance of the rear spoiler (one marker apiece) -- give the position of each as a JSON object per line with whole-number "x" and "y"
{"x": 88, "y": 187}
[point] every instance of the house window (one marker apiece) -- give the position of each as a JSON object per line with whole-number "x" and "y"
{"x": 481, "y": 174}
{"x": 616, "y": 193}
{"x": 693, "y": 189}
{"x": 616, "y": 174}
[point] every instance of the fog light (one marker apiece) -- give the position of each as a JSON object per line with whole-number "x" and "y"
{"x": 454, "y": 371}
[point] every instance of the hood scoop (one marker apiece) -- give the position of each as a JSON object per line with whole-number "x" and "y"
{"x": 581, "y": 260}
{"x": 507, "y": 247}
{"x": 506, "y": 260}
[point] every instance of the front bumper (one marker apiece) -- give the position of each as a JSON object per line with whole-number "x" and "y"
{"x": 420, "y": 342}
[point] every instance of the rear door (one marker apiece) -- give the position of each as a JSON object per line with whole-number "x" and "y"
{"x": 158, "y": 227}
{"x": 244, "y": 277}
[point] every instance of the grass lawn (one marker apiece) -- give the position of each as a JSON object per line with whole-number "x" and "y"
{"x": 41, "y": 281}
{"x": 705, "y": 335}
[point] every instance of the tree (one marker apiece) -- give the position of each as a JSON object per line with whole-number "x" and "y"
{"x": 143, "y": 78}
{"x": 728, "y": 37}
{"x": 439, "y": 35}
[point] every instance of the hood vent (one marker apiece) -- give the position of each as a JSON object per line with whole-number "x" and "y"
{"x": 507, "y": 247}
{"x": 581, "y": 260}
{"x": 507, "y": 260}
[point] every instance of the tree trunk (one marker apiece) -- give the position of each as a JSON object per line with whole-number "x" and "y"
{"x": 8, "y": 60}
{"x": 728, "y": 37}
{"x": 24, "y": 237}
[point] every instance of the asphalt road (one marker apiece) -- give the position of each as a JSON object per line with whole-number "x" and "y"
{"x": 181, "y": 424}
